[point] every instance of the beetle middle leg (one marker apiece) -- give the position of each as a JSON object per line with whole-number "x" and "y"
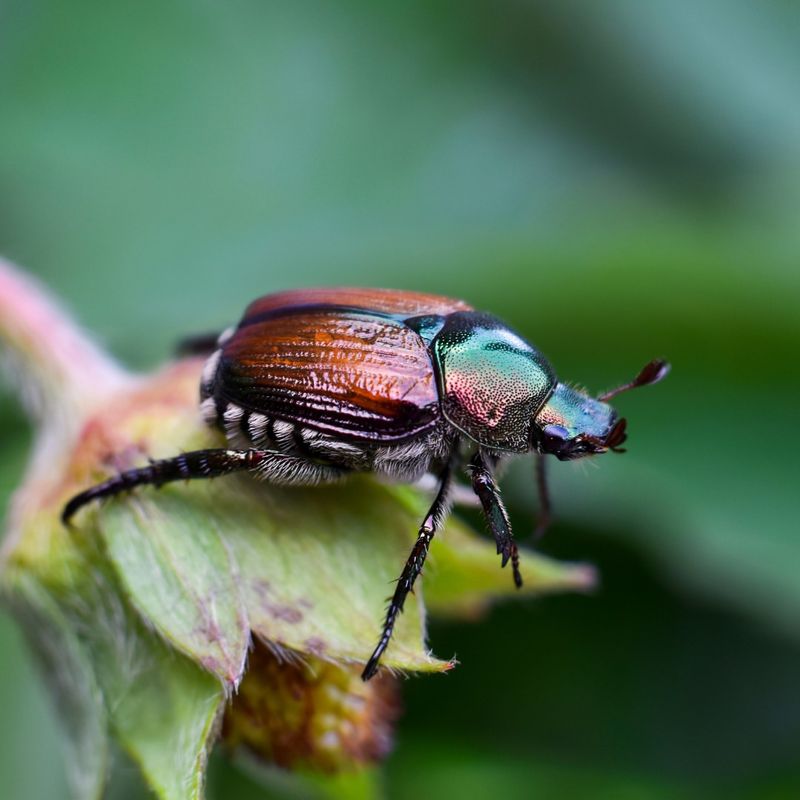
{"x": 412, "y": 569}
{"x": 278, "y": 468}
{"x": 483, "y": 484}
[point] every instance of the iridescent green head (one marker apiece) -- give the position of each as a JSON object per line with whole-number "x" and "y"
{"x": 572, "y": 424}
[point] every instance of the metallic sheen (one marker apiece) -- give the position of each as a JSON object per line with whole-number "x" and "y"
{"x": 492, "y": 382}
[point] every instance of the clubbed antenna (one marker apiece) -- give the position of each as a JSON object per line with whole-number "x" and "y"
{"x": 652, "y": 372}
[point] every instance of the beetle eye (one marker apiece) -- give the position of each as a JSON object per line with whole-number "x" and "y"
{"x": 556, "y": 431}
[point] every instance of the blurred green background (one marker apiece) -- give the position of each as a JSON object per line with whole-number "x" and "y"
{"x": 618, "y": 180}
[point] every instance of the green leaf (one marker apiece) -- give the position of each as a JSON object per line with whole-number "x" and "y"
{"x": 164, "y": 714}
{"x": 463, "y": 575}
{"x": 177, "y": 571}
{"x": 108, "y": 671}
{"x": 161, "y": 707}
{"x": 317, "y": 566}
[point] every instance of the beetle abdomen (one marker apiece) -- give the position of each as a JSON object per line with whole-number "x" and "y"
{"x": 407, "y": 461}
{"x": 245, "y": 429}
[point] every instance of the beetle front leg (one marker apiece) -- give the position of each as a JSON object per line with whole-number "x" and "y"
{"x": 483, "y": 484}
{"x": 543, "y": 522}
{"x": 412, "y": 569}
{"x": 273, "y": 467}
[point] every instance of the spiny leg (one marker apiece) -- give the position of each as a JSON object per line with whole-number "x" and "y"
{"x": 274, "y": 467}
{"x": 545, "y": 518}
{"x": 412, "y": 569}
{"x": 483, "y": 484}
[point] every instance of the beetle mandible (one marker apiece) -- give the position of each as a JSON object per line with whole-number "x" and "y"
{"x": 314, "y": 384}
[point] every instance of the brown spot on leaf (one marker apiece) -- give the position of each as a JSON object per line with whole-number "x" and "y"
{"x": 286, "y": 613}
{"x": 315, "y": 646}
{"x": 291, "y": 614}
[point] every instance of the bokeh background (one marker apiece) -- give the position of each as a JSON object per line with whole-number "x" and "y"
{"x": 618, "y": 180}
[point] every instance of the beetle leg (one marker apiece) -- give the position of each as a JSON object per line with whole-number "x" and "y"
{"x": 274, "y": 467}
{"x": 201, "y": 344}
{"x": 483, "y": 484}
{"x": 412, "y": 569}
{"x": 545, "y": 518}
{"x": 460, "y": 495}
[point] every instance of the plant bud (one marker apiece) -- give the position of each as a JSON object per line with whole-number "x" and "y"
{"x": 310, "y": 714}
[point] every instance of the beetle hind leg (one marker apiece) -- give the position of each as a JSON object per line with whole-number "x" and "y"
{"x": 432, "y": 522}
{"x": 483, "y": 484}
{"x": 277, "y": 468}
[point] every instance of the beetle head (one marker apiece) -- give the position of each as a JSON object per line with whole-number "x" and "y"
{"x": 571, "y": 424}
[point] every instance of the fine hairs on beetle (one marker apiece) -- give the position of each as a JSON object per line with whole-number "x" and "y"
{"x": 314, "y": 384}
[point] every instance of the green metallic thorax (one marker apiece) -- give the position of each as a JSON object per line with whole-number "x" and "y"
{"x": 492, "y": 382}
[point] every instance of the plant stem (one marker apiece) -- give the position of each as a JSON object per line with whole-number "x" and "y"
{"x": 56, "y": 368}
{"x": 60, "y": 376}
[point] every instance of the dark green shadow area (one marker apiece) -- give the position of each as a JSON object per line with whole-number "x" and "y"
{"x": 636, "y": 686}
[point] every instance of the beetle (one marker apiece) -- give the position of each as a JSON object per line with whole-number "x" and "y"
{"x": 314, "y": 384}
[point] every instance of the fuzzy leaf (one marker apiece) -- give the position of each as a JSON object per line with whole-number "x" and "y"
{"x": 463, "y": 575}
{"x": 178, "y": 572}
{"x": 314, "y": 566}
{"x": 317, "y": 565}
{"x": 165, "y": 717}
{"x": 116, "y": 673}
{"x": 161, "y": 707}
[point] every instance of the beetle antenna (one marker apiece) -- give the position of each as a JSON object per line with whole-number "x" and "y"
{"x": 652, "y": 372}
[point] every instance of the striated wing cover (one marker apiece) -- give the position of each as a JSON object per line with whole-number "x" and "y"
{"x": 349, "y": 372}
{"x": 385, "y": 301}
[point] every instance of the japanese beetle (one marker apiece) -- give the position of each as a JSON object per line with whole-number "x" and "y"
{"x": 315, "y": 384}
